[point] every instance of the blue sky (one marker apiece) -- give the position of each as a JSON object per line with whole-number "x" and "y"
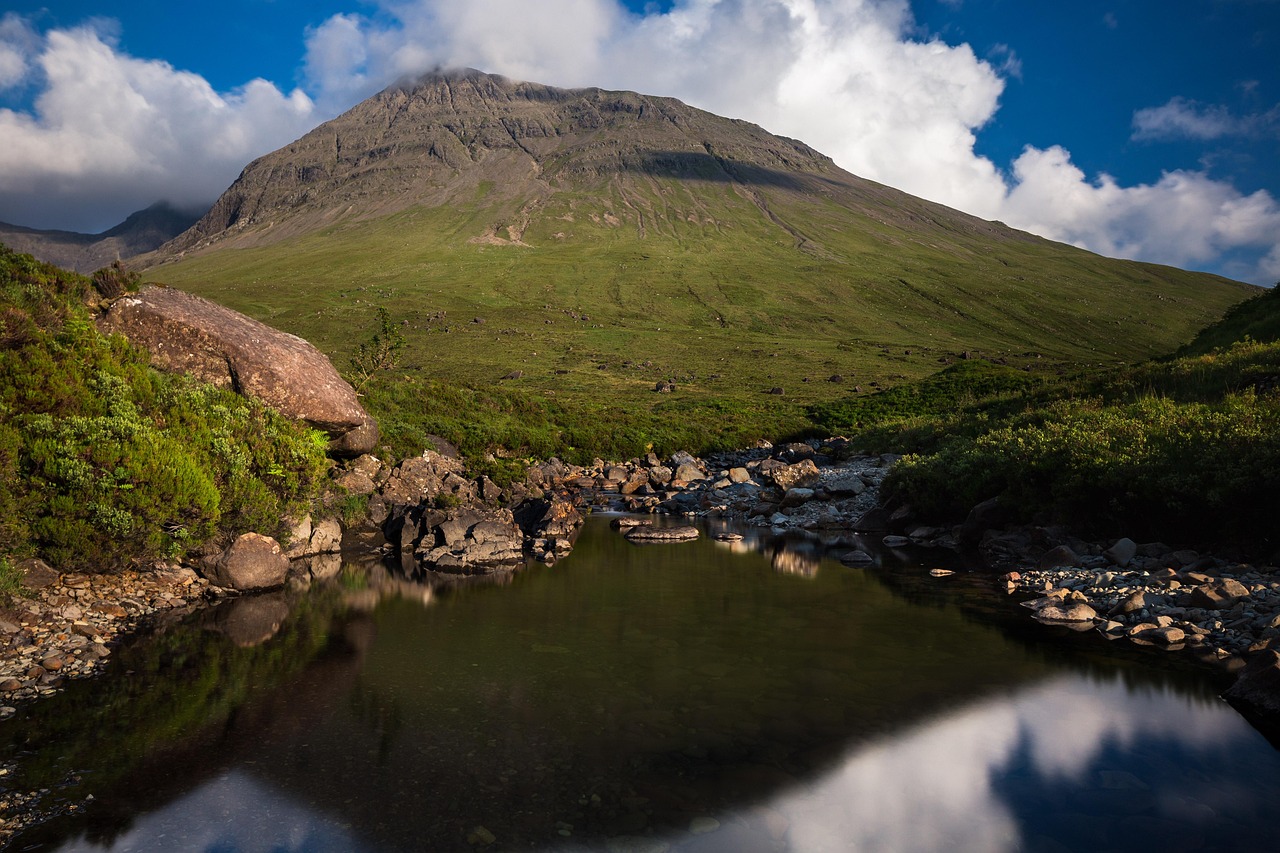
{"x": 1136, "y": 129}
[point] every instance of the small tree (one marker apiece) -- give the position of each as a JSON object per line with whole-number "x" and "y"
{"x": 382, "y": 351}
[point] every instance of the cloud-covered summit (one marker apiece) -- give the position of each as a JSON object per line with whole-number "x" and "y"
{"x": 856, "y": 79}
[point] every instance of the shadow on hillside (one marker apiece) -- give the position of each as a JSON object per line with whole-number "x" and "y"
{"x": 699, "y": 166}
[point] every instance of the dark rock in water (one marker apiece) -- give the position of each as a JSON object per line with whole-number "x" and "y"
{"x": 187, "y": 334}
{"x": 662, "y": 534}
{"x": 857, "y": 558}
{"x": 627, "y": 522}
{"x": 874, "y": 519}
{"x": 541, "y": 518}
{"x": 470, "y": 541}
{"x": 1258, "y": 685}
{"x": 253, "y": 561}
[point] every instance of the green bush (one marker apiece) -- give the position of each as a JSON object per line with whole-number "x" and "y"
{"x": 105, "y": 461}
{"x": 1153, "y": 467}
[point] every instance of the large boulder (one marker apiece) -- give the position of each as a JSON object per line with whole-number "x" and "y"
{"x": 187, "y": 334}
{"x": 470, "y": 541}
{"x": 253, "y": 561}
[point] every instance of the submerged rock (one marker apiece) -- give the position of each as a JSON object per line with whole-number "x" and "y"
{"x": 662, "y": 534}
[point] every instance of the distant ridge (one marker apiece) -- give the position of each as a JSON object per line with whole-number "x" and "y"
{"x": 141, "y": 232}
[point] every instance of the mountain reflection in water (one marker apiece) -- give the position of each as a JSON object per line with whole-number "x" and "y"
{"x": 696, "y": 697}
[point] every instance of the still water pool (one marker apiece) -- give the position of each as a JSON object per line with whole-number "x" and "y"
{"x": 690, "y": 697}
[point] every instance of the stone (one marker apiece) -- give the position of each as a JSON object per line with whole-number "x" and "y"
{"x": 356, "y": 483}
{"x": 1131, "y": 603}
{"x": 1121, "y": 552}
{"x": 1058, "y": 557}
{"x": 650, "y": 533}
{"x": 253, "y": 561}
{"x": 1258, "y": 685}
{"x": 1168, "y": 635}
{"x": 874, "y": 519}
{"x": 326, "y": 537}
{"x": 37, "y": 574}
{"x": 797, "y": 497}
{"x": 299, "y": 538}
{"x": 895, "y": 541}
{"x": 1221, "y": 594}
{"x": 690, "y": 473}
{"x": 187, "y": 334}
{"x": 739, "y": 475}
{"x": 857, "y": 558}
{"x": 803, "y": 473}
{"x": 1068, "y": 611}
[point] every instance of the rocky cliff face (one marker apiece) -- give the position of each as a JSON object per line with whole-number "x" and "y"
{"x": 474, "y": 139}
{"x": 188, "y": 334}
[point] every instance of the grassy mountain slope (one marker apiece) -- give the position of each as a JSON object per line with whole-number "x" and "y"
{"x": 598, "y": 242}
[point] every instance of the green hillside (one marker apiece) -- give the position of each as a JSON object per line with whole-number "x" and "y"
{"x": 599, "y": 242}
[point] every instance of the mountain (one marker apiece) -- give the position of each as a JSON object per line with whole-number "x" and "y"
{"x": 596, "y": 242}
{"x": 141, "y": 232}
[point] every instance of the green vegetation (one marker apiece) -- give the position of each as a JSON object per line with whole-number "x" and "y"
{"x": 104, "y": 461}
{"x": 382, "y": 351}
{"x": 1256, "y": 319}
{"x": 624, "y": 280}
{"x": 10, "y": 580}
{"x": 1186, "y": 450}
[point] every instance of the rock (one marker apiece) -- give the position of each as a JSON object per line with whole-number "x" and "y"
{"x": 941, "y": 573}
{"x": 187, "y": 334}
{"x": 703, "y": 825}
{"x": 356, "y": 483}
{"x": 664, "y": 387}
{"x": 895, "y": 541}
{"x": 326, "y": 537}
{"x": 1168, "y": 635}
{"x": 777, "y": 391}
{"x": 1258, "y": 685}
{"x": 299, "y": 538}
{"x": 470, "y": 541}
{"x": 857, "y": 558}
{"x": 1131, "y": 603}
{"x": 739, "y": 475}
{"x": 1219, "y": 595}
{"x": 797, "y": 497}
{"x": 984, "y": 516}
{"x": 874, "y": 519}
{"x": 1074, "y": 611}
{"x": 690, "y": 473}
{"x": 1121, "y": 552}
{"x": 1057, "y": 557}
{"x": 662, "y": 534}
{"x": 803, "y": 473}
{"x": 37, "y": 574}
{"x": 253, "y": 561}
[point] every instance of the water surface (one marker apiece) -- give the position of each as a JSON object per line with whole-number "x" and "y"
{"x": 683, "y": 697}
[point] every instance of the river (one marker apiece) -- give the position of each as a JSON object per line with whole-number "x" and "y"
{"x": 682, "y": 697}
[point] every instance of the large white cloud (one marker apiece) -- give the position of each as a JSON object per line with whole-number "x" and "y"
{"x": 853, "y": 78}
{"x": 110, "y": 134}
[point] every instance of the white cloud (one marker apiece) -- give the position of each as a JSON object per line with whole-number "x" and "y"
{"x": 853, "y": 78}
{"x": 18, "y": 42}
{"x": 110, "y": 134}
{"x": 1181, "y": 118}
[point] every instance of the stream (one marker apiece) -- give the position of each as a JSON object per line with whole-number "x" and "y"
{"x": 754, "y": 696}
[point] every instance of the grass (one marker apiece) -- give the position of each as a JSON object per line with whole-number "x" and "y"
{"x": 693, "y": 284}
